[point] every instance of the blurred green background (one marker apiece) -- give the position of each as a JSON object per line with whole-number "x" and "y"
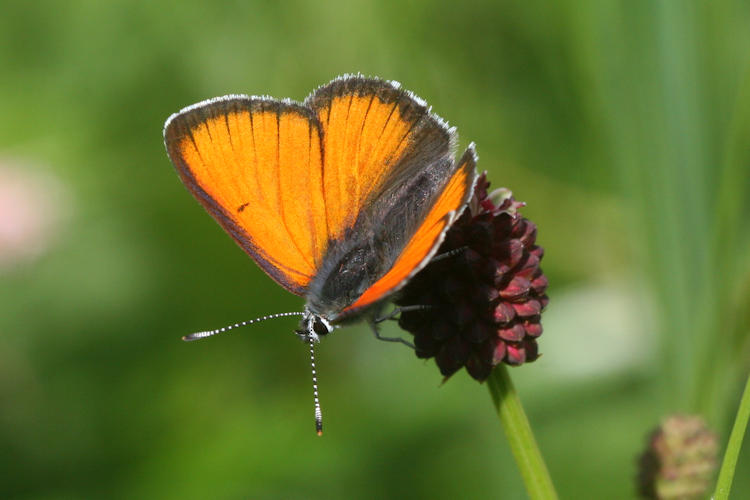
{"x": 624, "y": 125}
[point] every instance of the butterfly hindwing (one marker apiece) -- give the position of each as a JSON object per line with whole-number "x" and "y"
{"x": 256, "y": 165}
{"x": 424, "y": 242}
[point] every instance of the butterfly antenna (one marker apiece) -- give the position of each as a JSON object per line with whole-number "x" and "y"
{"x": 211, "y": 333}
{"x": 318, "y": 414}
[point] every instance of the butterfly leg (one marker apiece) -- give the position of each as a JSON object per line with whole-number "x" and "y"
{"x": 398, "y": 310}
{"x": 450, "y": 253}
{"x": 374, "y": 327}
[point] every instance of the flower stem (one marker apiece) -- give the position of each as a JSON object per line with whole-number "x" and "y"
{"x": 726, "y": 474}
{"x": 517, "y": 429}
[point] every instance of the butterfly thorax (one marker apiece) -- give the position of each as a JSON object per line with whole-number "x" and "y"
{"x": 348, "y": 269}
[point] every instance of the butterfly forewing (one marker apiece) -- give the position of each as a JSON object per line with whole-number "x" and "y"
{"x": 256, "y": 165}
{"x": 375, "y": 135}
{"x": 395, "y": 159}
{"x": 423, "y": 243}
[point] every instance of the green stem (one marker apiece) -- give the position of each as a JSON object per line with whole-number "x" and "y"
{"x": 521, "y": 439}
{"x": 726, "y": 475}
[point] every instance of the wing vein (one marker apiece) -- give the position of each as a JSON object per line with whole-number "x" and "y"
{"x": 316, "y": 243}
{"x": 210, "y": 171}
{"x": 359, "y": 196}
{"x": 342, "y": 178}
{"x": 323, "y": 139}
{"x": 280, "y": 195}
{"x": 261, "y": 194}
{"x": 377, "y": 145}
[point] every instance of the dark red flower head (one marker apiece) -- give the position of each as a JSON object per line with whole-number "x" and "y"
{"x": 484, "y": 292}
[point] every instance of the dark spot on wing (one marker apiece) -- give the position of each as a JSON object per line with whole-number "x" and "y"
{"x": 242, "y": 207}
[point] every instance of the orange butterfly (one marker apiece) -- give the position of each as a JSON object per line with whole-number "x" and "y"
{"x": 340, "y": 199}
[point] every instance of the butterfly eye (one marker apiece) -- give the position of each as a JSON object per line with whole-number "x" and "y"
{"x": 321, "y": 328}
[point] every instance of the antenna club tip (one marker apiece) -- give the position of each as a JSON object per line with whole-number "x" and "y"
{"x": 319, "y": 426}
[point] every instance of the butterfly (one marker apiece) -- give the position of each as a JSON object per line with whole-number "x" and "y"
{"x": 340, "y": 199}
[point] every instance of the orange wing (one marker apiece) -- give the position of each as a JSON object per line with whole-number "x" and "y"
{"x": 256, "y": 165}
{"x": 426, "y": 240}
{"x": 374, "y": 136}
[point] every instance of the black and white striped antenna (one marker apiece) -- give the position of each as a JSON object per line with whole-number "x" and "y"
{"x": 316, "y": 399}
{"x": 211, "y": 333}
{"x": 318, "y": 413}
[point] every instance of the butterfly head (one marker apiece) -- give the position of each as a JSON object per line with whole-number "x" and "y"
{"x": 313, "y": 326}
